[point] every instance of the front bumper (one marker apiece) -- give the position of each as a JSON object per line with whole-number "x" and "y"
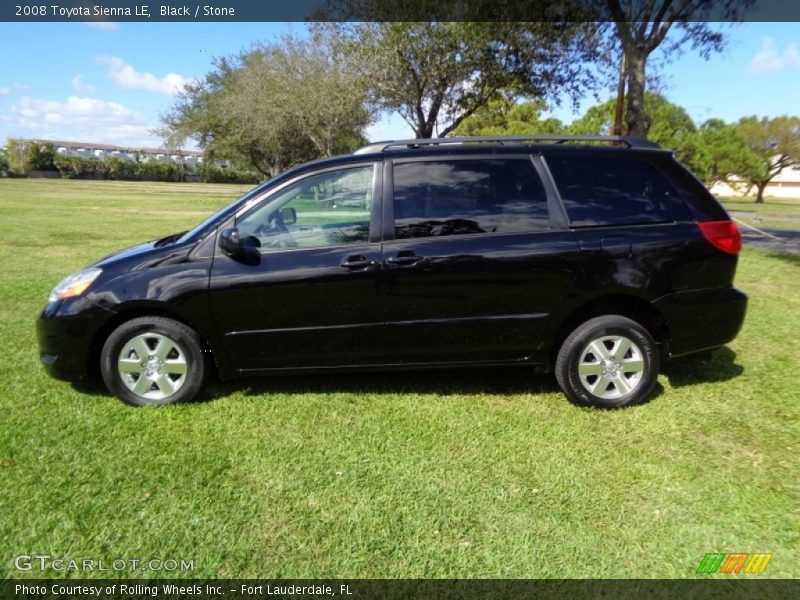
{"x": 702, "y": 319}
{"x": 65, "y": 340}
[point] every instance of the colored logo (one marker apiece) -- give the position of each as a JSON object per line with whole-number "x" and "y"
{"x": 734, "y": 562}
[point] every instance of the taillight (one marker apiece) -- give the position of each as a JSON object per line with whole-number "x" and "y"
{"x": 724, "y": 235}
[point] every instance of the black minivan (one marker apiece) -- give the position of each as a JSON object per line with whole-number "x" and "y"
{"x": 594, "y": 257}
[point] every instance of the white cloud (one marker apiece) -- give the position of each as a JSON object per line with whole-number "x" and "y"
{"x": 104, "y": 25}
{"x": 125, "y": 76}
{"x": 5, "y": 91}
{"x": 82, "y": 88}
{"x": 78, "y": 119}
{"x": 769, "y": 59}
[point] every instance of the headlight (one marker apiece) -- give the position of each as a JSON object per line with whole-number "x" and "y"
{"x": 74, "y": 285}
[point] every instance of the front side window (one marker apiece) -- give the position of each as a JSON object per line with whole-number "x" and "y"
{"x": 328, "y": 209}
{"x": 456, "y": 197}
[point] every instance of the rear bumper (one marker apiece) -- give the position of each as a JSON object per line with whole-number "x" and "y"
{"x": 703, "y": 319}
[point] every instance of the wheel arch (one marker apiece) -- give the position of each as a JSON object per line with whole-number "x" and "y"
{"x": 133, "y": 312}
{"x": 626, "y": 305}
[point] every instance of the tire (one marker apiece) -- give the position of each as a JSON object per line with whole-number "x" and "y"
{"x": 153, "y": 361}
{"x": 591, "y": 372}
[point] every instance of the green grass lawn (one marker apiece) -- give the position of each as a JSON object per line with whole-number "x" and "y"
{"x": 433, "y": 474}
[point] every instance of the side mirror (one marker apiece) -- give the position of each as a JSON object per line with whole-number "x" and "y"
{"x": 288, "y": 215}
{"x": 245, "y": 251}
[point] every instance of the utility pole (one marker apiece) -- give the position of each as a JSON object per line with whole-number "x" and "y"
{"x": 620, "y": 97}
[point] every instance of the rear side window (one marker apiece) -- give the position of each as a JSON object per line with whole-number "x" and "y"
{"x": 602, "y": 190}
{"x": 456, "y": 197}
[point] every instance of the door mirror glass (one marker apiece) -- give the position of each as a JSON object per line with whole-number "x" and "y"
{"x": 289, "y": 215}
{"x": 229, "y": 241}
{"x": 244, "y": 250}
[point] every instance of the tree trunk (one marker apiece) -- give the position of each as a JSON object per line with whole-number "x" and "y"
{"x": 423, "y": 130}
{"x": 760, "y": 186}
{"x": 635, "y": 117}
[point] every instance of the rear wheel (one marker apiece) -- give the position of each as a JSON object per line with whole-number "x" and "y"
{"x": 609, "y": 361}
{"x": 153, "y": 360}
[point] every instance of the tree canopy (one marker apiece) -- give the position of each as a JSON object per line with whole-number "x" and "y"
{"x": 273, "y": 106}
{"x": 436, "y": 74}
{"x": 505, "y": 117}
{"x": 670, "y": 123}
{"x": 774, "y": 144}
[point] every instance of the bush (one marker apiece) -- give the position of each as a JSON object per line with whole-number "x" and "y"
{"x": 3, "y": 162}
{"x": 21, "y": 156}
{"x": 212, "y": 174}
{"x": 156, "y": 171}
{"x": 41, "y": 157}
{"x": 75, "y": 167}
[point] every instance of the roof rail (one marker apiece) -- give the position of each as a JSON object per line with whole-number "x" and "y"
{"x": 629, "y": 141}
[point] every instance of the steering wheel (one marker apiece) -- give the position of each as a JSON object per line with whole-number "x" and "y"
{"x": 276, "y": 232}
{"x": 276, "y": 223}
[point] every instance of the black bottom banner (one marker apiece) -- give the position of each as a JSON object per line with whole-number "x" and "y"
{"x": 369, "y": 589}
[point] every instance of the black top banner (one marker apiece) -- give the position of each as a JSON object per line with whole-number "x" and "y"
{"x": 374, "y": 10}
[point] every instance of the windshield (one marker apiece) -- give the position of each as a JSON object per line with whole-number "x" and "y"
{"x": 193, "y": 233}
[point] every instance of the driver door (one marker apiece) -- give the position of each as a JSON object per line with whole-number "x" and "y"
{"x": 313, "y": 299}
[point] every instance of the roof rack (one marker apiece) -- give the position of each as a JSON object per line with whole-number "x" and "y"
{"x": 629, "y": 141}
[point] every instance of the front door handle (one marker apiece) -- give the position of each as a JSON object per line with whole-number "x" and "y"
{"x": 404, "y": 259}
{"x": 358, "y": 262}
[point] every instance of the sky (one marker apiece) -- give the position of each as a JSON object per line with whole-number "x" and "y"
{"x": 110, "y": 82}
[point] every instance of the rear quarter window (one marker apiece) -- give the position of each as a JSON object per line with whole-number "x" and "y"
{"x": 611, "y": 190}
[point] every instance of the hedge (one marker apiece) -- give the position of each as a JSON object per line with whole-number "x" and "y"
{"x": 76, "y": 167}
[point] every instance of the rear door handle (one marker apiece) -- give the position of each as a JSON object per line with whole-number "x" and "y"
{"x": 358, "y": 262}
{"x": 404, "y": 259}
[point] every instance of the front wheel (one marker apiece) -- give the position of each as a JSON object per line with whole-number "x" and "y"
{"x": 609, "y": 361}
{"x": 153, "y": 360}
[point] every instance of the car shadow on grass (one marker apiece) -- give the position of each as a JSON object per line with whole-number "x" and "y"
{"x": 444, "y": 382}
{"x": 507, "y": 381}
{"x": 691, "y": 370}
{"x": 500, "y": 380}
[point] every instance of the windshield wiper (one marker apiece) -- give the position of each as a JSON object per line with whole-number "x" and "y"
{"x": 169, "y": 239}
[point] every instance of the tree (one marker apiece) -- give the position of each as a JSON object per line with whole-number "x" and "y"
{"x": 718, "y": 152}
{"x": 776, "y": 144}
{"x": 641, "y": 27}
{"x": 3, "y": 161}
{"x": 505, "y": 117}
{"x": 17, "y": 154}
{"x": 25, "y": 155}
{"x": 670, "y": 123}
{"x": 436, "y": 74}
{"x": 273, "y": 106}
{"x": 41, "y": 156}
